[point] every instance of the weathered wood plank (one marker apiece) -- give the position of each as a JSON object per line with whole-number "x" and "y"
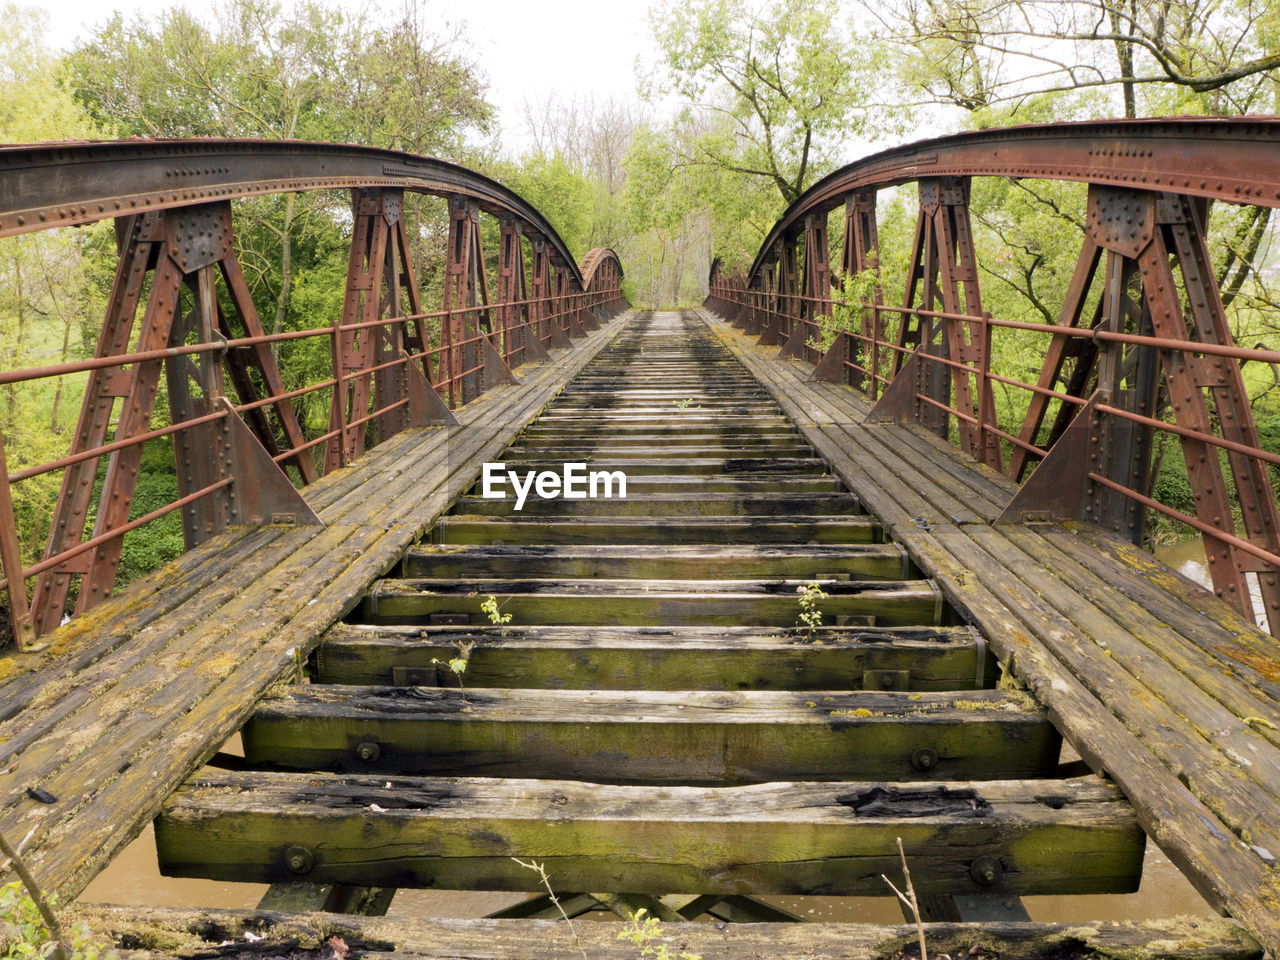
{"x": 462, "y": 529}
{"x": 656, "y": 505}
{"x": 652, "y": 602}
{"x": 1134, "y": 682}
{"x": 1064, "y": 836}
{"x": 654, "y": 658}
{"x": 192, "y": 934}
{"x": 658, "y": 562}
{"x": 628, "y": 736}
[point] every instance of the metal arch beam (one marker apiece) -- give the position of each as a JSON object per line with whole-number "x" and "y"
{"x": 47, "y": 185}
{"x": 1236, "y": 160}
{"x": 595, "y": 259}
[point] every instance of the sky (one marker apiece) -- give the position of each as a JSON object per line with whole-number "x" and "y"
{"x": 530, "y": 50}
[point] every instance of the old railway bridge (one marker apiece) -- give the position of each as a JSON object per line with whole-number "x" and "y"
{"x": 1001, "y": 678}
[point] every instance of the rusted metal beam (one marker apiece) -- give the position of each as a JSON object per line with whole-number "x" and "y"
{"x": 61, "y": 184}
{"x": 1233, "y": 159}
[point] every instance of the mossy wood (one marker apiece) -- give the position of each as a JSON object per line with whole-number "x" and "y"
{"x": 651, "y": 602}
{"x": 192, "y": 934}
{"x": 656, "y": 505}
{"x": 1068, "y": 836}
{"x": 653, "y": 658}
{"x": 657, "y": 737}
{"x": 665, "y": 562}
{"x": 515, "y": 529}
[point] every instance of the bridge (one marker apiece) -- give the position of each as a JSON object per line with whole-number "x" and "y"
{"x": 782, "y": 596}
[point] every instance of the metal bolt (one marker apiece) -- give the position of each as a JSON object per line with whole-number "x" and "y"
{"x": 886, "y": 681}
{"x": 924, "y": 759}
{"x": 368, "y": 751}
{"x": 986, "y": 870}
{"x": 299, "y": 859}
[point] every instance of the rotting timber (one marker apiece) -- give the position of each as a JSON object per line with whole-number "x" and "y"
{"x": 652, "y": 724}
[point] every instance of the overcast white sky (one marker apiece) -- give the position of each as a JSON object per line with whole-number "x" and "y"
{"x": 529, "y": 49}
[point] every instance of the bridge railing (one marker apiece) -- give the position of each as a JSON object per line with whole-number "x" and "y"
{"x": 1141, "y": 348}
{"x": 237, "y": 396}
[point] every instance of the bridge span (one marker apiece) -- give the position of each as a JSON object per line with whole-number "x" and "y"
{"x": 836, "y": 614}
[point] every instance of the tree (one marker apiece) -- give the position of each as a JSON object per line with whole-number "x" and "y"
{"x": 301, "y": 72}
{"x": 790, "y": 81}
{"x": 1158, "y": 56}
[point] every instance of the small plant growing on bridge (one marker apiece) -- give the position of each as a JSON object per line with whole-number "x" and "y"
{"x": 29, "y": 928}
{"x": 492, "y": 611}
{"x": 810, "y": 595}
{"x": 541, "y": 871}
{"x": 645, "y": 932}
{"x": 683, "y": 404}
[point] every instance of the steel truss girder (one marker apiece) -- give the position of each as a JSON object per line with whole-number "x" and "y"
{"x": 184, "y": 247}
{"x": 1145, "y": 236}
{"x": 943, "y": 276}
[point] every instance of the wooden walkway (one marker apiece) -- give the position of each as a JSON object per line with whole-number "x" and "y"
{"x": 664, "y": 731}
{"x": 131, "y": 698}
{"x": 1154, "y": 681}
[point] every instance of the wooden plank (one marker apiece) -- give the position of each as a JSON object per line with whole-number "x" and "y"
{"x": 621, "y": 602}
{"x": 669, "y": 487}
{"x": 654, "y": 505}
{"x": 671, "y": 465}
{"x": 654, "y": 658}
{"x": 628, "y": 736}
{"x": 1070, "y": 836}
{"x": 1232, "y": 642}
{"x": 658, "y": 562}
{"x": 191, "y": 934}
{"x": 462, "y": 529}
{"x": 726, "y": 449}
{"x": 1193, "y": 837}
{"x": 1170, "y": 700}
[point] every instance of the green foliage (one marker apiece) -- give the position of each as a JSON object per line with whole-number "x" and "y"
{"x": 810, "y": 596}
{"x": 791, "y": 81}
{"x": 492, "y": 611}
{"x": 157, "y": 543}
{"x": 645, "y": 932}
{"x": 560, "y": 193}
{"x": 24, "y": 936}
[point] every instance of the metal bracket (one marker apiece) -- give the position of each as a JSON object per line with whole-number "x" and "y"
{"x": 1121, "y": 219}
{"x": 198, "y": 236}
{"x": 1056, "y": 488}
{"x": 495, "y": 370}
{"x": 426, "y": 409}
{"x": 260, "y": 490}
{"x": 793, "y": 349}
{"x": 898, "y": 402}
{"x": 831, "y": 368}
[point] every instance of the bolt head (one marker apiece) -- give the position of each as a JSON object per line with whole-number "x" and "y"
{"x": 986, "y": 870}
{"x": 924, "y": 759}
{"x": 368, "y": 751}
{"x": 299, "y": 859}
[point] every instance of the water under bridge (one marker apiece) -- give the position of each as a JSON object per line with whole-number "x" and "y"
{"x": 840, "y": 604}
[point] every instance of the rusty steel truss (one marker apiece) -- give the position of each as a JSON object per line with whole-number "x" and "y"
{"x": 180, "y": 308}
{"x": 1141, "y": 344}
